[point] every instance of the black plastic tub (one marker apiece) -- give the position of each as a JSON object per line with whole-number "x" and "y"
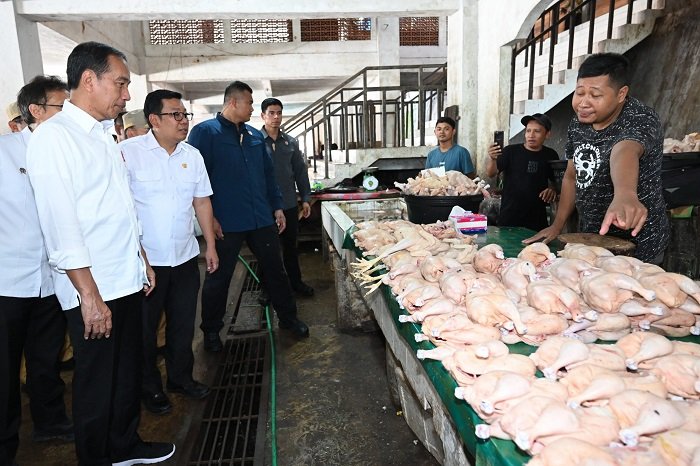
{"x": 430, "y": 209}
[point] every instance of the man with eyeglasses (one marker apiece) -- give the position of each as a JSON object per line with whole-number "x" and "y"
{"x": 248, "y": 206}
{"x": 100, "y": 270}
{"x": 31, "y": 321}
{"x": 168, "y": 178}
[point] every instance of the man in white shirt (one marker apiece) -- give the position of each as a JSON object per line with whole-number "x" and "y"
{"x": 31, "y": 320}
{"x": 89, "y": 223}
{"x": 168, "y": 178}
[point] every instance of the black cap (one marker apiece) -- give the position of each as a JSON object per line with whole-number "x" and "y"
{"x": 539, "y": 118}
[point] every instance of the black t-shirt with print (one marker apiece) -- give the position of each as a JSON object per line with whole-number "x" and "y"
{"x": 590, "y": 150}
{"x": 526, "y": 175}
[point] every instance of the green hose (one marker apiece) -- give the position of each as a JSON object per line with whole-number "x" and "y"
{"x": 273, "y": 373}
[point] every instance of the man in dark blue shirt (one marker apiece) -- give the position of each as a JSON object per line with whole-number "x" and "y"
{"x": 247, "y": 206}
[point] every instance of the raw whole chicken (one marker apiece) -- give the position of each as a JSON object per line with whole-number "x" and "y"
{"x": 557, "y": 353}
{"x": 465, "y": 366}
{"x": 551, "y": 298}
{"x": 679, "y": 372}
{"x": 606, "y": 327}
{"x": 618, "y": 264}
{"x": 606, "y": 291}
{"x": 489, "y": 394}
{"x": 486, "y": 350}
{"x": 540, "y": 326}
{"x": 643, "y": 348}
{"x": 672, "y": 289}
{"x": 589, "y": 254}
{"x": 454, "y": 285}
{"x": 639, "y": 307}
{"x": 642, "y": 414}
{"x": 434, "y": 307}
{"x": 517, "y": 274}
{"x": 417, "y": 298}
{"x": 569, "y": 451}
{"x": 495, "y": 310}
{"x": 568, "y": 272}
{"x": 678, "y": 447}
{"x": 537, "y": 253}
{"x": 489, "y": 258}
{"x": 675, "y": 323}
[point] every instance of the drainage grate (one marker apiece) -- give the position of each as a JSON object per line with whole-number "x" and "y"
{"x": 234, "y": 421}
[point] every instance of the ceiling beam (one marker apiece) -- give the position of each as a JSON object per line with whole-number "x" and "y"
{"x": 135, "y": 10}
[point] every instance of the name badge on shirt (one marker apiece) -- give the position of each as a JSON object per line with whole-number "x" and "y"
{"x": 184, "y": 165}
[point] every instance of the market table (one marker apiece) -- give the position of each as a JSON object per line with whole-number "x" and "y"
{"x": 453, "y": 419}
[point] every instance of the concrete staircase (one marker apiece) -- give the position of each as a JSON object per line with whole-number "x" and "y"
{"x": 546, "y": 96}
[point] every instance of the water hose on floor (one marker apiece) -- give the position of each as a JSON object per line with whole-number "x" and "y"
{"x": 273, "y": 373}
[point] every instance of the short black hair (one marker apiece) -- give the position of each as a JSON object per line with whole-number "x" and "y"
{"x": 270, "y": 101}
{"x": 613, "y": 65}
{"x": 89, "y": 56}
{"x": 236, "y": 87}
{"x": 36, "y": 92}
{"x": 153, "y": 105}
{"x": 447, "y": 120}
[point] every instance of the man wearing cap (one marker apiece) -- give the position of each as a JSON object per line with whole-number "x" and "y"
{"x": 527, "y": 173}
{"x": 14, "y": 118}
{"x": 135, "y": 123}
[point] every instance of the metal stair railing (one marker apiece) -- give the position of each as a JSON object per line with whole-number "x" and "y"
{"x": 561, "y": 18}
{"x": 370, "y": 116}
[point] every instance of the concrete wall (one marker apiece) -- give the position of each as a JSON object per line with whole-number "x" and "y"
{"x": 665, "y": 75}
{"x": 667, "y": 68}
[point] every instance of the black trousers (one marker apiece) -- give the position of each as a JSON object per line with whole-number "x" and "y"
{"x": 107, "y": 384}
{"x": 290, "y": 253}
{"x": 265, "y": 245}
{"x": 36, "y": 326}
{"x": 176, "y": 292}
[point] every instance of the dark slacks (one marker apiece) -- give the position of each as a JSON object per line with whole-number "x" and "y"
{"x": 107, "y": 384}
{"x": 176, "y": 293}
{"x": 265, "y": 245}
{"x": 36, "y": 326}
{"x": 290, "y": 253}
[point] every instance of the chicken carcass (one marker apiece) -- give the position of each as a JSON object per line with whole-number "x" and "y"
{"x": 537, "y": 253}
{"x": 642, "y": 414}
{"x": 489, "y": 258}
{"x": 540, "y": 325}
{"x": 465, "y": 366}
{"x": 494, "y": 310}
{"x": 454, "y": 285}
{"x": 490, "y": 392}
{"x": 434, "y": 307}
{"x": 679, "y": 372}
{"x": 642, "y": 348}
{"x": 557, "y": 353}
{"x": 589, "y": 254}
{"x": 618, "y": 264}
{"x": 606, "y": 291}
{"x": 569, "y": 451}
{"x": 551, "y": 298}
{"x": 671, "y": 288}
{"x": 568, "y": 272}
{"x": 678, "y": 447}
{"x": 517, "y": 274}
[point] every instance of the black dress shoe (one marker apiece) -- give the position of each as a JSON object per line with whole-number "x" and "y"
{"x": 296, "y": 326}
{"x": 157, "y": 403}
{"x": 194, "y": 390}
{"x": 212, "y": 342}
{"x": 62, "y": 432}
{"x": 303, "y": 289}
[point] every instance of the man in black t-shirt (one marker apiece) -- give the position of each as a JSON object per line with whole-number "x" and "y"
{"x": 614, "y": 173}
{"x": 527, "y": 173}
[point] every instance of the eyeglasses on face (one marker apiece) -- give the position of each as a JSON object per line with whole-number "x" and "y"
{"x": 178, "y": 116}
{"x": 53, "y": 105}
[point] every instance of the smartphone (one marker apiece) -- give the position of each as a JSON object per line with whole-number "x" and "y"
{"x": 498, "y": 138}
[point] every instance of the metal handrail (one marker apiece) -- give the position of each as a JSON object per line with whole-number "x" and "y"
{"x": 358, "y": 113}
{"x": 567, "y": 21}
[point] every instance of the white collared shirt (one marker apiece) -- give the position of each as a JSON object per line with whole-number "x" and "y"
{"x": 24, "y": 265}
{"x": 164, "y": 187}
{"x": 85, "y": 207}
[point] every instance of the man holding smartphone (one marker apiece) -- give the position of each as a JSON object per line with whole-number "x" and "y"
{"x": 527, "y": 175}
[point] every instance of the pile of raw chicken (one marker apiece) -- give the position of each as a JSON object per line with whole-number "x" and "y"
{"x": 452, "y": 183}
{"x": 631, "y": 402}
{"x": 690, "y": 143}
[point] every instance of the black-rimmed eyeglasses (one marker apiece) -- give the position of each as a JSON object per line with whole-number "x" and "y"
{"x": 178, "y": 116}
{"x": 53, "y": 105}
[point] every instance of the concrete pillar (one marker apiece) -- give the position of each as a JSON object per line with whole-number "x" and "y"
{"x": 388, "y": 54}
{"x": 462, "y": 69}
{"x": 138, "y": 89}
{"x": 21, "y": 57}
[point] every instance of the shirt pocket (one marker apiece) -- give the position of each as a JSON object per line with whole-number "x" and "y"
{"x": 146, "y": 182}
{"x": 187, "y": 180}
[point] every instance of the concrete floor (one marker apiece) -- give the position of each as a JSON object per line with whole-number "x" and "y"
{"x": 333, "y": 402}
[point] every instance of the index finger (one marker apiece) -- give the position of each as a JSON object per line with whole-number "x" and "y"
{"x": 607, "y": 221}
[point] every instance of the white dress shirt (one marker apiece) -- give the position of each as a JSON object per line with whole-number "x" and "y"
{"x": 24, "y": 265}
{"x": 164, "y": 187}
{"x": 85, "y": 207}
